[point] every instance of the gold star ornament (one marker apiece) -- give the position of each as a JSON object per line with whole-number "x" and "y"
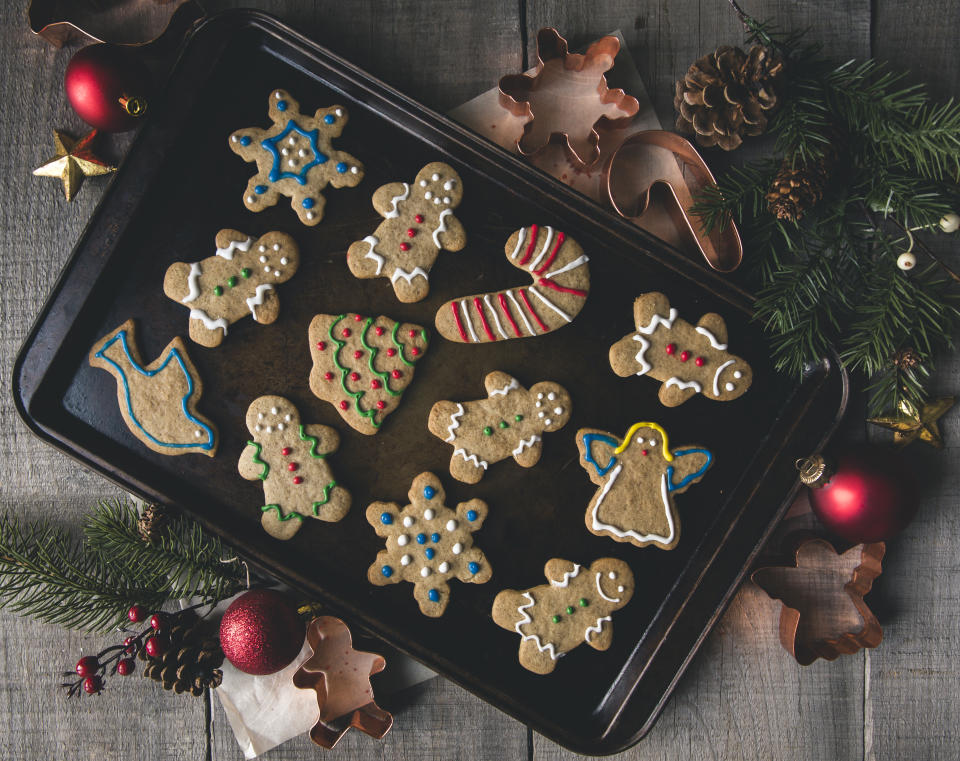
{"x": 73, "y": 161}
{"x": 913, "y": 423}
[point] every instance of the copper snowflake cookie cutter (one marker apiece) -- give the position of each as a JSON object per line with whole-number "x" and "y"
{"x": 558, "y": 71}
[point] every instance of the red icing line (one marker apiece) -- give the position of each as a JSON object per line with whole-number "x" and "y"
{"x": 546, "y": 282}
{"x": 483, "y": 319}
{"x": 506, "y": 312}
{"x": 456, "y": 317}
{"x": 526, "y": 301}
{"x": 553, "y": 254}
{"x": 531, "y": 245}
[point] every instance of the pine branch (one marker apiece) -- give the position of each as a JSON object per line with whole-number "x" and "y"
{"x": 740, "y": 193}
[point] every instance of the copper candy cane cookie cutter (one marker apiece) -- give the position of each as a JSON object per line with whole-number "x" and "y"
{"x": 721, "y": 247}
{"x": 558, "y": 73}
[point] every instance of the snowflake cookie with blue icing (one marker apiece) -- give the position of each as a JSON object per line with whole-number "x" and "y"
{"x": 158, "y": 401}
{"x": 428, "y": 544}
{"x": 295, "y": 158}
{"x": 575, "y": 607}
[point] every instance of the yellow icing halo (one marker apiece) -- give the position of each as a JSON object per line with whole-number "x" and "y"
{"x": 667, "y": 454}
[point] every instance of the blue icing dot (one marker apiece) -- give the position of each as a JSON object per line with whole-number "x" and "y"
{"x": 308, "y": 203}
{"x": 421, "y": 538}
{"x": 429, "y": 552}
{"x": 429, "y": 492}
{"x": 474, "y": 567}
{"x": 387, "y": 571}
{"x": 435, "y": 537}
{"x": 245, "y": 140}
{"x": 433, "y": 595}
{"x": 471, "y": 515}
{"x": 386, "y": 519}
{"x": 329, "y": 119}
{"x": 260, "y": 190}
{"x": 342, "y": 167}
{"x": 281, "y": 105}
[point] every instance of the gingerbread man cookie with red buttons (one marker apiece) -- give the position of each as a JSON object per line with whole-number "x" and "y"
{"x": 687, "y": 359}
{"x": 295, "y": 158}
{"x": 290, "y": 458}
{"x": 418, "y": 223}
{"x": 362, "y": 365}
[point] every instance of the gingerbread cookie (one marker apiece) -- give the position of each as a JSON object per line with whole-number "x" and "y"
{"x": 509, "y": 422}
{"x": 158, "y": 402}
{"x": 237, "y": 281}
{"x": 294, "y": 158}
{"x": 561, "y": 282}
{"x": 638, "y": 478}
{"x": 291, "y": 460}
{"x": 361, "y": 365}
{"x": 428, "y": 544}
{"x": 418, "y": 224}
{"x": 573, "y": 608}
{"x": 689, "y": 359}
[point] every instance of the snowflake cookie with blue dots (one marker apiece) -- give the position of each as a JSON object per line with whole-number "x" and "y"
{"x": 295, "y": 158}
{"x": 428, "y": 544}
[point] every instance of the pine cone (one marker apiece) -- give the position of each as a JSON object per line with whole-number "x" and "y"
{"x": 152, "y": 523}
{"x": 728, "y": 94}
{"x": 192, "y": 661}
{"x": 906, "y": 359}
{"x": 798, "y": 186}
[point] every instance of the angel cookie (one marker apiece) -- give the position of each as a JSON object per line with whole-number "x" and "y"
{"x": 560, "y": 285}
{"x": 508, "y": 423}
{"x": 575, "y": 607}
{"x": 418, "y": 223}
{"x": 295, "y": 158}
{"x": 291, "y": 460}
{"x": 689, "y": 359}
{"x": 638, "y": 478}
{"x": 238, "y": 280}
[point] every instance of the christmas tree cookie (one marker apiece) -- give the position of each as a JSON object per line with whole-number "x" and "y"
{"x": 575, "y": 607}
{"x": 238, "y": 280}
{"x": 510, "y": 422}
{"x": 290, "y": 458}
{"x": 295, "y": 158}
{"x": 638, "y": 478}
{"x": 361, "y": 365}
{"x": 428, "y": 544}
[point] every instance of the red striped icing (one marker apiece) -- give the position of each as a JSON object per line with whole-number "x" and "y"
{"x": 531, "y": 245}
{"x": 506, "y": 312}
{"x": 483, "y": 319}
{"x": 456, "y": 318}
{"x": 553, "y": 254}
{"x": 526, "y": 301}
{"x": 547, "y": 283}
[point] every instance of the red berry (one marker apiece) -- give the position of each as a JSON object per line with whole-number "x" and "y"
{"x": 699, "y": 361}
{"x": 286, "y": 451}
{"x": 158, "y": 621}
{"x": 404, "y": 246}
{"x": 411, "y": 232}
{"x": 88, "y": 665}
{"x": 136, "y": 614}
{"x": 321, "y": 345}
{"x": 418, "y": 219}
{"x": 396, "y": 374}
{"x": 378, "y": 330}
{"x": 156, "y": 645}
{"x": 292, "y": 466}
{"x": 130, "y": 648}
{"x": 126, "y": 666}
{"x": 391, "y": 352}
{"x": 298, "y": 479}
{"x": 344, "y": 404}
{"x": 381, "y": 404}
{"x": 684, "y": 356}
{"x": 92, "y": 685}
{"x": 671, "y": 348}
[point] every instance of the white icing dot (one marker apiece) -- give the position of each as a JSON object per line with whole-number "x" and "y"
{"x": 310, "y": 215}
{"x": 259, "y": 416}
{"x": 274, "y": 410}
{"x": 263, "y": 259}
{"x": 291, "y": 162}
{"x": 276, "y": 273}
{"x": 448, "y": 184}
{"x": 434, "y": 176}
{"x": 619, "y": 589}
{"x": 612, "y": 575}
{"x": 302, "y": 152}
{"x": 446, "y": 199}
{"x": 428, "y": 514}
{"x": 405, "y": 560}
{"x": 266, "y": 269}
{"x": 551, "y": 396}
{"x": 288, "y": 417}
{"x": 280, "y": 426}
{"x": 284, "y": 261}
{"x": 558, "y": 410}
{"x": 402, "y": 540}
{"x": 408, "y": 521}
{"x": 652, "y": 442}
{"x": 268, "y": 428}
{"x": 423, "y": 183}
{"x": 538, "y": 404}
{"x": 436, "y": 200}
{"x": 738, "y": 374}
{"x": 548, "y": 421}
{"x": 251, "y": 199}
{"x": 258, "y": 427}
{"x": 276, "y": 246}
{"x": 261, "y": 248}
{"x": 292, "y": 141}
{"x": 197, "y": 433}
{"x": 443, "y": 567}
{"x": 457, "y": 548}
{"x": 234, "y": 138}
{"x": 278, "y": 95}
{"x": 540, "y": 414}
{"x": 539, "y": 396}
{"x": 428, "y": 195}
{"x": 425, "y": 571}
{"x": 729, "y": 387}
{"x": 451, "y": 525}
{"x": 338, "y": 112}
{"x": 354, "y": 170}
{"x": 284, "y": 151}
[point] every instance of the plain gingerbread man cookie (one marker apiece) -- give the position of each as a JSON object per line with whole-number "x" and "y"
{"x": 418, "y": 223}
{"x": 291, "y": 460}
{"x": 575, "y": 607}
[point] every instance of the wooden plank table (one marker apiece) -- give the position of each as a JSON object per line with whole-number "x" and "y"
{"x": 743, "y": 697}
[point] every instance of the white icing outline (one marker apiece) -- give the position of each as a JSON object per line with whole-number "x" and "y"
{"x": 472, "y": 458}
{"x": 454, "y": 423}
{"x": 645, "y": 367}
{"x": 192, "y": 283}
{"x": 235, "y": 245}
{"x": 597, "y": 627}
{"x": 716, "y": 377}
{"x": 441, "y": 228}
{"x": 258, "y": 297}
{"x": 520, "y": 238}
{"x": 525, "y": 444}
{"x": 199, "y": 314}
{"x": 400, "y": 272}
{"x": 550, "y": 304}
{"x": 373, "y": 240}
{"x": 711, "y": 338}
{"x": 681, "y": 384}
{"x": 572, "y": 265}
{"x": 466, "y": 317}
{"x": 567, "y": 575}
{"x": 522, "y": 610}
{"x": 658, "y": 320}
{"x": 496, "y": 319}
{"x": 598, "y": 526}
{"x": 600, "y": 591}
{"x": 394, "y": 212}
{"x": 523, "y": 316}
{"x": 543, "y": 251}
{"x": 505, "y": 390}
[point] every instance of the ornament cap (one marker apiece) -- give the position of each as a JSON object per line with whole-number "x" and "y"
{"x": 135, "y": 105}
{"x": 814, "y": 470}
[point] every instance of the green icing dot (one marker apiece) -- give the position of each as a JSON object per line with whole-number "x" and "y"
{"x": 583, "y": 602}
{"x": 488, "y": 431}
{"x": 556, "y": 619}
{"x": 570, "y": 610}
{"x": 518, "y": 418}
{"x": 231, "y": 281}
{"x": 245, "y": 272}
{"x": 504, "y": 424}
{"x": 217, "y": 290}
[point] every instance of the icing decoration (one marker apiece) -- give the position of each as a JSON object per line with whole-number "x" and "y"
{"x": 466, "y": 319}
{"x": 483, "y": 319}
{"x": 716, "y": 376}
{"x": 525, "y": 444}
{"x": 684, "y": 384}
{"x": 199, "y": 314}
{"x": 513, "y": 384}
{"x": 588, "y": 439}
{"x": 567, "y": 575}
{"x": 441, "y": 227}
{"x": 471, "y": 459}
{"x": 258, "y": 297}
{"x": 237, "y": 245}
{"x": 595, "y": 628}
{"x": 394, "y": 212}
{"x": 493, "y": 313}
{"x": 454, "y": 423}
{"x": 371, "y": 254}
{"x": 257, "y": 461}
{"x": 192, "y": 283}
{"x": 671, "y": 486}
{"x": 667, "y": 455}
{"x": 408, "y": 276}
{"x": 600, "y": 590}
{"x": 522, "y": 610}
{"x": 711, "y": 338}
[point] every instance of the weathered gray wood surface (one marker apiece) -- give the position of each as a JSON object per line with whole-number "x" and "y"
{"x": 743, "y": 697}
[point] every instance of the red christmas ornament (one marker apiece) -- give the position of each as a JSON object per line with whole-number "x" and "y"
{"x": 108, "y": 86}
{"x": 261, "y": 633}
{"x": 869, "y": 495}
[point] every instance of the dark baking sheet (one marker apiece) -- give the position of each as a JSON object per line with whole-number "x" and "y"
{"x": 180, "y": 184}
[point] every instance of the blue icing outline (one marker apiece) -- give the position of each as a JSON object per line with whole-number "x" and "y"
{"x": 588, "y": 439}
{"x": 671, "y": 486}
{"x": 270, "y": 145}
{"x": 175, "y": 354}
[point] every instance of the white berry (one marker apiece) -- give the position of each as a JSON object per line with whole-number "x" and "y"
{"x": 950, "y": 223}
{"x": 907, "y": 261}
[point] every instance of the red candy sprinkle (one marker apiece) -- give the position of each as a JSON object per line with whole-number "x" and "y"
{"x": 321, "y": 345}
{"x": 378, "y": 330}
{"x": 414, "y": 351}
{"x": 411, "y": 232}
{"x": 684, "y": 356}
{"x": 344, "y": 404}
{"x": 374, "y": 383}
{"x": 418, "y": 219}
{"x": 358, "y": 317}
{"x": 328, "y": 375}
{"x": 292, "y": 466}
{"x": 381, "y": 404}
{"x": 354, "y": 376}
{"x": 346, "y": 332}
{"x": 671, "y": 348}
{"x": 357, "y": 354}
{"x": 396, "y": 374}
{"x": 298, "y": 479}
{"x": 413, "y": 333}
{"x": 404, "y": 246}
{"x": 644, "y": 452}
{"x": 699, "y": 361}
{"x": 286, "y": 451}
{"x": 391, "y": 351}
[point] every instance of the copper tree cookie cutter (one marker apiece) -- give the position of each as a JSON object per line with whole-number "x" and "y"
{"x": 721, "y": 248}
{"x": 803, "y": 641}
{"x": 559, "y": 116}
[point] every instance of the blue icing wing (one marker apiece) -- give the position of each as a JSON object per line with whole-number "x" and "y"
{"x": 588, "y": 439}
{"x": 671, "y": 486}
